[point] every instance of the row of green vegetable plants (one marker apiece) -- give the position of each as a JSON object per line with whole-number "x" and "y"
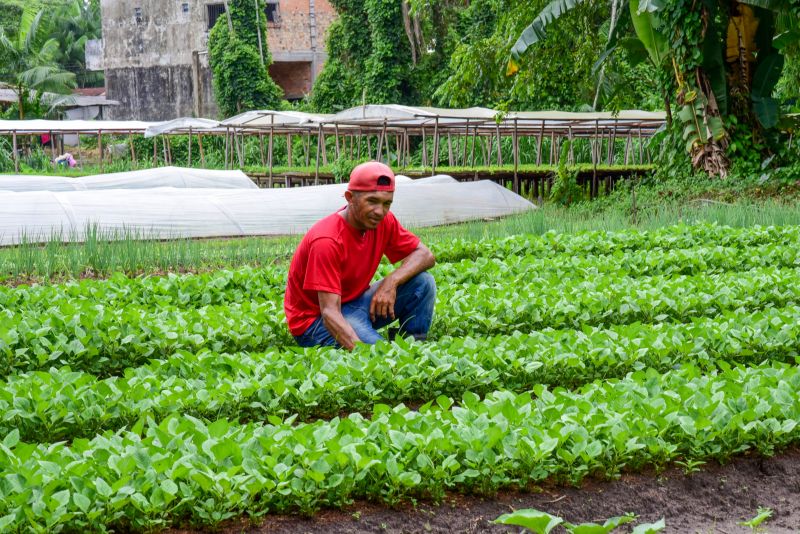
{"x": 312, "y": 383}
{"x": 246, "y": 284}
{"x": 106, "y": 340}
{"x": 184, "y": 470}
{"x": 603, "y": 242}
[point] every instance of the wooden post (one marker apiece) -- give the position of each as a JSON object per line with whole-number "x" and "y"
{"x": 552, "y": 146}
{"x": 464, "y": 154}
{"x": 472, "y": 150}
{"x": 499, "y": 145}
{"x": 227, "y": 135}
{"x": 289, "y": 162}
{"x": 14, "y": 149}
{"x": 515, "y": 150}
{"x": 155, "y": 151}
{"x": 571, "y": 146}
{"x": 319, "y": 138}
{"x": 100, "y": 147}
{"x": 324, "y": 146}
{"x": 200, "y": 147}
{"x": 336, "y": 133}
{"x": 190, "y": 147}
{"x": 641, "y": 158}
{"x": 270, "y": 149}
{"x": 450, "y": 149}
{"x": 52, "y": 145}
{"x": 307, "y": 147}
{"x": 80, "y": 153}
{"x": 261, "y": 149}
{"x": 435, "y": 146}
{"x": 130, "y": 142}
{"x": 424, "y": 149}
{"x": 398, "y": 141}
{"x": 595, "y": 185}
{"x": 539, "y": 145}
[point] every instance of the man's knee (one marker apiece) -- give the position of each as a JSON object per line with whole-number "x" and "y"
{"x": 424, "y": 283}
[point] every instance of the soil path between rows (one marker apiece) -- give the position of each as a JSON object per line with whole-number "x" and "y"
{"x": 711, "y": 501}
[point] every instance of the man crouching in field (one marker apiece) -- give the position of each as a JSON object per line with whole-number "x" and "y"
{"x": 329, "y": 299}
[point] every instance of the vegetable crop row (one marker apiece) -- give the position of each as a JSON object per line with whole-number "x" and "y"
{"x": 604, "y": 242}
{"x": 105, "y": 341}
{"x": 518, "y": 253}
{"x": 186, "y": 470}
{"x": 535, "y": 302}
{"x": 65, "y": 404}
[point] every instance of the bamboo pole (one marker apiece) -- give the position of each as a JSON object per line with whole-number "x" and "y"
{"x": 319, "y": 140}
{"x": 424, "y": 149}
{"x": 336, "y": 133}
{"x": 155, "y": 151}
{"x": 435, "y": 146}
{"x": 100, "y": 147}
{"x": 449, "y": 149}
{"x": 289, "y": 162}
{"x": 324, "y": 147}
{"x": 227, "y": 142}
{"x": 190, "y": 147}
{"x": 571, "y": 146}
{"x": 261, "y": 149}
{"x": 52, "y": 145}
{"x": 169, "y": 149}
{"x": 200, "y": 147}
{"x": 80, "y": 153}
{"x": 130, "y": 142}
{"x": 499, "y": 145}
{"x": 464, "y": 154}
{"x": 271, "y": 148}
{"x": 14, "y": 148}
{"x": 515, "y": 150}
{"x": 641, "y": 158}
{"x": 472, "y": 150}
{"x": 307, "y": 147}
{"x": 539, "y": 145}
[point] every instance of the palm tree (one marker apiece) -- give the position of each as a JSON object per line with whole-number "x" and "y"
{"x": 78, "y": 22}
{"x": 29, "y": 64}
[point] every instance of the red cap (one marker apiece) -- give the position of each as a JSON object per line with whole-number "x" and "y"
{"x": 371, "y": 176}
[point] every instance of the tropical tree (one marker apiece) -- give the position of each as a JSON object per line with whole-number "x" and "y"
{"x": 722, "y": 59}
{"x": 29, "y": 63}
{"x": 76, "y": 22}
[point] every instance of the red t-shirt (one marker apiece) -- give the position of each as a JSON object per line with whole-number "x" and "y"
{"x": 336, "y": 258}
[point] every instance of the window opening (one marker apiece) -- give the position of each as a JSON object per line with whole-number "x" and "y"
{"x": 185, "y": 7}
{"x": 271, "y": 11}
{"x": 215, "y": 11}
{"x": 137, "y": 14}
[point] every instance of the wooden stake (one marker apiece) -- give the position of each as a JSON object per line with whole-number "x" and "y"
{"x": 515, "y": 150}
{"x": 289, "y": 162}
{"x": 130, "y": 142}
{"x": 435, "y": 146}
{"x": 14, "y": 148}
{"x": 190, "y": 146}
{"x": 100, "y": 147}
{"x": 200, "y": 146}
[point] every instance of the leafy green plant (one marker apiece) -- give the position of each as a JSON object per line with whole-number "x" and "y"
{"x": 755, "y": 522}
{"x": 534, "y": 520}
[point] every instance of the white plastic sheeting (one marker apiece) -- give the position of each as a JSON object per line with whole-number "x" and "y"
{"x": 182, "y": 125}
{"x": 179, "y": 177}
{"x": 172, "y": 213}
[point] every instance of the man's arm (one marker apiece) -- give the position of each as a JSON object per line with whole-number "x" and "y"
{"x": 330, "y": 305}
{"x": 382, "y": 305}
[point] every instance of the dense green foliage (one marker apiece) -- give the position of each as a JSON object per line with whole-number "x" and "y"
{"x": 454, "y": 55}
{"x": 239, "y": 59}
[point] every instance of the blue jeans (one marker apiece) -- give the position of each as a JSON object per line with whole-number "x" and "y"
{"x": 413, "y": 308}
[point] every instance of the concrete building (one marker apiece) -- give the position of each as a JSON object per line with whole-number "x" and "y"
{"x": 154, "y": 53}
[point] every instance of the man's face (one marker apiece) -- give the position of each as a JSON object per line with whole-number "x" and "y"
{"x": 368, "y": 208}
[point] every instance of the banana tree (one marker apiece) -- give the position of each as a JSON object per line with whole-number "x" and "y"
{"x": 725, "y": 73}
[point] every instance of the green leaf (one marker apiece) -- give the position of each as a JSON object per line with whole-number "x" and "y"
{"x": 11, "y": 439}
{"x": 766, "y": 111}
{"x": 647, "y": 26}
{"x": 535, "y": 520}
{"x": 535, "y": 32}
{"x": 605, "y": 528}
{"x": 649, "y": 528}
{"x": 768, "y": 72}
{"x": 763, "y": 515}
{"x": 82, "y": 501}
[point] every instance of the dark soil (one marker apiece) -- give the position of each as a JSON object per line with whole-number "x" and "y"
{"x": 711, "y": 501}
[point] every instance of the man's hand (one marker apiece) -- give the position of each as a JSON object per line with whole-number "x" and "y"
{"x": 382, "y": 304}
{"x": 330, "y": 305}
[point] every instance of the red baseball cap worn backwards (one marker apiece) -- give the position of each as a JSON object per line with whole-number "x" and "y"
{"x": 371, "y": 176}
